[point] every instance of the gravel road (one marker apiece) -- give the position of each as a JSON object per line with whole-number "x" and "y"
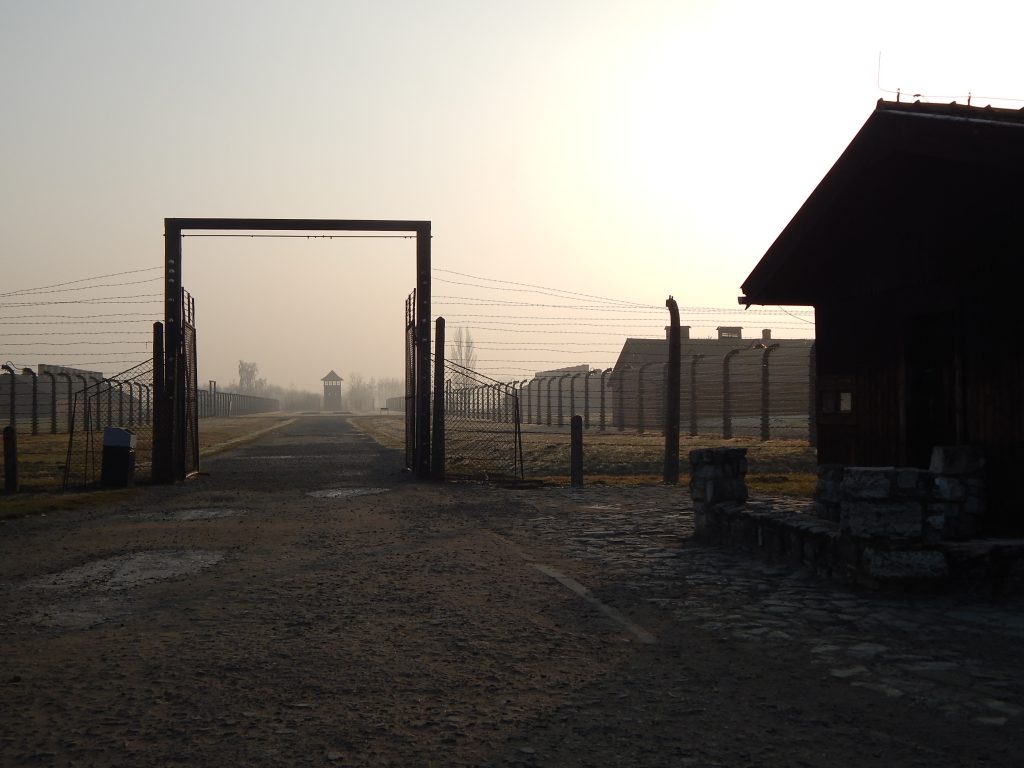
{"x": 304, "y": 603}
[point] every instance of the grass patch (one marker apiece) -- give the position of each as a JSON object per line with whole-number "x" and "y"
{"x": 776, "y": 467}
{"x": 389, "y": 431}
{"x": 41, "y": 460}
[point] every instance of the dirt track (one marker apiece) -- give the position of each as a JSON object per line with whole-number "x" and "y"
{"x": 305, "y": 604}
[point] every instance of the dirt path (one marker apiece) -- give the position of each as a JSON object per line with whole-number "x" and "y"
{"x": 305, "y": 604}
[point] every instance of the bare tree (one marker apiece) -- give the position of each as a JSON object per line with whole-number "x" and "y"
{"x": 463, "y": 350}
{"x": 247, "y": 373}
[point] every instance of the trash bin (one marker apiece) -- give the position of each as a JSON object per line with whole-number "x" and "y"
{"x": 118, "y": 468}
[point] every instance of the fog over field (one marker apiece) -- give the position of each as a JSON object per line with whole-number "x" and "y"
{"x": 579, "y": 162}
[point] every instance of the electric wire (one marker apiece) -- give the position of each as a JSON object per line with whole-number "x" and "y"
{"x": 82, "y": 280}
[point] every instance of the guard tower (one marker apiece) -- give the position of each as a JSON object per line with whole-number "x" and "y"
{"x": 332, "y": 391}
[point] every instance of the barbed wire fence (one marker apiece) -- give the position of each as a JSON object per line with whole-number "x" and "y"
{"x": 745, "y": 374}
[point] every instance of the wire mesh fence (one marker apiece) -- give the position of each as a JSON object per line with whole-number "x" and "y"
{"x": 123, "y": 401}
{"x": 482, "y": 438}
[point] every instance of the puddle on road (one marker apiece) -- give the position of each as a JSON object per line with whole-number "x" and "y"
{"x": 346, "y": 493}
{"x": 133, "y": 569}
{"x": 90, "y": 594}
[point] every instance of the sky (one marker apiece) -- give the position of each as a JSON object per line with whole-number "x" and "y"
{"x": 606, "y": 152}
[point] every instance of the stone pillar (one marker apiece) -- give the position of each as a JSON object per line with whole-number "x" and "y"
{"x": 958, "y": 490}
{"x": 828, "y": 493}
{"x": 717, "y": 480}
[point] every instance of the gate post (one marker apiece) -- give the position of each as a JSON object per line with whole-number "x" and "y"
{"x": 161, "y": 416}
{"x": 423, "y": 350}
{"x": 437, "y": 463}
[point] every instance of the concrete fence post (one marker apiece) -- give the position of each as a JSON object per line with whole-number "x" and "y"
{"x": 670, "y": 472}
{"x": 71, "y": 398}
{"x": 727, "y": 394}
{"x": 35, "y": 399}
{"x": 12, "y": 419}
{"x": 561, "y": 389}
{"x": 620, "y": 409}
{"x": 602, "y": 424}
{"x": 641, "y": 400}
{"x": 766, "y": 391}
{"x": 53, "y": 402}
{"x": 586, "y": 397}
{"x": 551, "y": 380}
{"x": 693, "y": 393}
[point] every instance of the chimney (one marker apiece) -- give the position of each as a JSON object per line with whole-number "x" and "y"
{"x": 684, "y": 332}
{"x": 766, "y": 334}
{"x": 730, "y": 332}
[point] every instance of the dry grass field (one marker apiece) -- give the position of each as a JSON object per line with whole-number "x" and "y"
{"x": 777, "y": 467}
{"x": 41, "y": 461}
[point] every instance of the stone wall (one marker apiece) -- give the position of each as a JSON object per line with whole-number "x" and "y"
{"x": 875, "y": 526}
{"x": 903, "y": 504}
{"x": 717, "y": 482}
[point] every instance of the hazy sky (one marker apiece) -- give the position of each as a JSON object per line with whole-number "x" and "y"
{"x": 617, "y": 149}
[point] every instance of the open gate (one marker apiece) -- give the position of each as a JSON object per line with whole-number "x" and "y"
{"x": 176, "y": 445}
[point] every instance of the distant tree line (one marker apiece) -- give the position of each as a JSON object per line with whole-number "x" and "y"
{"x": 358, "y": 395}
{"x": 291, "y": 399}
{"x": 361, "y": 395}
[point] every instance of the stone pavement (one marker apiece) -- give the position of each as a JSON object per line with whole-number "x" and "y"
{"x": 304, "y": 604}
{"x": 957, "y": 655}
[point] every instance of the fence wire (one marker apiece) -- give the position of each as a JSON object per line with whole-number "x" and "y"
{"x": 754, "y": 391}
{"x": 122, "y": 401}
{"x": 482, "y": 426}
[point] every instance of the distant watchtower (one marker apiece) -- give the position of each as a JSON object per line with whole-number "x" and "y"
{"x": 332, "y": 391}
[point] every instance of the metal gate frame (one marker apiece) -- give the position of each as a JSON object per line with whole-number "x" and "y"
{"x": 169, "y": 438}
